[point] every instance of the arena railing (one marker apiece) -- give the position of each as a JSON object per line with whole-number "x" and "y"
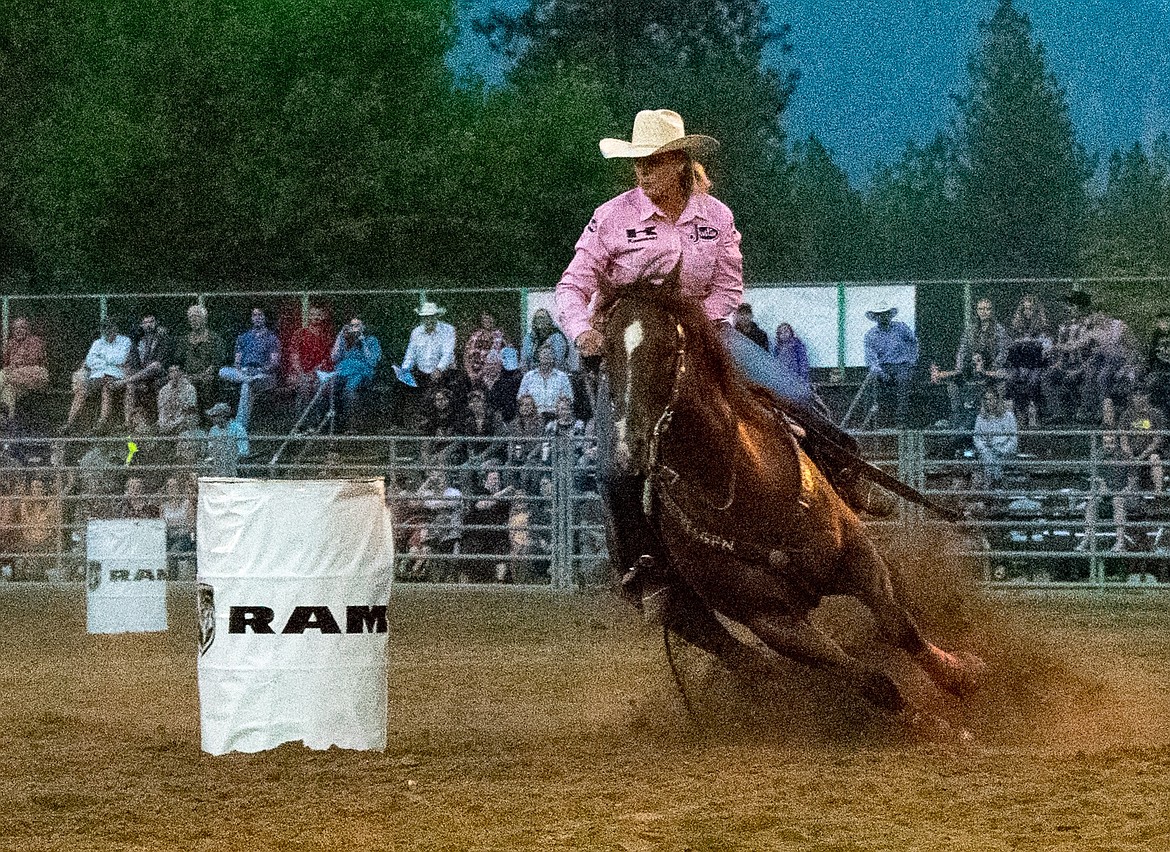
{"x": 1052, "y": 520}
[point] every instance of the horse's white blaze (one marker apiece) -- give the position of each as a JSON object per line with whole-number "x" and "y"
{"x": 633, "y": 336}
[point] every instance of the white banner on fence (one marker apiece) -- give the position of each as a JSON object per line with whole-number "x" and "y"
{"x": 293, "y": 588}
{"x": 126, "y": 576}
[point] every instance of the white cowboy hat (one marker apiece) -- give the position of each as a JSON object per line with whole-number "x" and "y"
{"x": 430, "y": 309}
{"x": 882, "y": 308}
{"x": 657, "y": 130}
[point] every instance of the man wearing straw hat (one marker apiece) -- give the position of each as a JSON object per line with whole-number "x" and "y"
{"x": 431, "y": 351}
{"x": 891, "y": 351}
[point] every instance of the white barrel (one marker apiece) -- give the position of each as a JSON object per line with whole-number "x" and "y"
{"x": 293, "y": 589}
{"x": 126, "y": 574}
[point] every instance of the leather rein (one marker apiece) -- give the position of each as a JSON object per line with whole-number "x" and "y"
{"x": 660, "y": 479}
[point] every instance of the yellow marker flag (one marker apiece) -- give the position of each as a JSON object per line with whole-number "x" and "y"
{"x": 132, "y": 448}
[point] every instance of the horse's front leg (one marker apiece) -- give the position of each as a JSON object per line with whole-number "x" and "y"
{"x": 800, "y": 640}
{"x": 687, "y": 615}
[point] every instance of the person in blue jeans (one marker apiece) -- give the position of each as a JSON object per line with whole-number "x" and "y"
{"x": 355, "y": 358}
{"x": 891, "y": 351}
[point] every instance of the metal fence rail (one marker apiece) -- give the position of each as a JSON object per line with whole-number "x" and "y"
{"x": 1070, "y": 509}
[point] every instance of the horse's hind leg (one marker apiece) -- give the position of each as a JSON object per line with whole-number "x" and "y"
{"x": 802, "y": 641}
{"x": 870, "y": 582}
{"x": 690, "y": 617}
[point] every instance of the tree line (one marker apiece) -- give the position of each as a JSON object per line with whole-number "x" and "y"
{"x": 147, "y": 145}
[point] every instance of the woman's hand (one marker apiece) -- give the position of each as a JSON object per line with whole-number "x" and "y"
{"x": 589, "y": 343}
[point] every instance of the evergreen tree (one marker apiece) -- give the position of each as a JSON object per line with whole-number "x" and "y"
{"x": 1130, "y": 233}
{"x": 910, "y": 214}
{"x": 829, "y": 215}
{"x": 211, "y": 139}
{"x": 1021, "y": 174}
{"x": 703, "y": 59}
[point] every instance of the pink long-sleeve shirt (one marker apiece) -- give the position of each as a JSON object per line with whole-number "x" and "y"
{"x": 629, "y": 239}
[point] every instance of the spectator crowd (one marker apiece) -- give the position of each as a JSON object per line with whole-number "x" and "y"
{"x": 490, "y": 410}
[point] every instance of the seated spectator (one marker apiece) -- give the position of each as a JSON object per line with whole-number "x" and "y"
{"x": 24, "y": 366}
{"x": 1113, "y": 486}
{"x": 485, "y": 526}
{"x": 39, "y": 517}
{"x": 791, "y": 352}
{"x": 257, "y": 360}
{"x": 137, "y": 502}
{"x": 147, "y": 368}
{"x": 745, "y": 324}
{"x": 1112, "y": 367}
{"x": 482, "y": 354}
{"x": 201, "y": 352}
{"x": 891, "y": 351}
{"x": 543, "y": 331}
{"x": 441, "y": 524}
{"x": 1066, "y": 368}
{"x": 1159, "y": 335}
{"x": 1140, "y": 443}
{"x": 430, "y": 354}
{"x": 355, "y": 355}
{"x": 177, "y": 401}
{"x": 502, "y": 396}
{"x": 227, "y": 440}
{"x": 1158, "y": 378}
{"x": 1030, "y": 340}
{"x": 309, "y": 352}
{"x": 479, "y": 422}
{"x": 979, "y": 363}
{"x": 585, "y": 469}
{"x": 177, "y": 508}
{"x": 105, "y": 365}
{"x": 565, "y": 422}
{"x": 546, "y": 384}
{"x": 525, "y": 427}
{"x": 996, "y": 437}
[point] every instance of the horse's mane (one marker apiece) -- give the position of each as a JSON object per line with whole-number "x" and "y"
{"x": 703, "y": 344}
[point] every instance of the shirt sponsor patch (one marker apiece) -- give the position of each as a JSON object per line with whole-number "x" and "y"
{"x": 708, "y": 233}
{"x": 640, "y": 235}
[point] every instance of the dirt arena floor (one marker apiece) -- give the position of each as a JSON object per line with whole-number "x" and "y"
{"x": 523, "y": 719}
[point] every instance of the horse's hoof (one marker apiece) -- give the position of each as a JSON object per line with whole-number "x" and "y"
{"x": 934, "y": 729}
{"x": 960, "y": 673}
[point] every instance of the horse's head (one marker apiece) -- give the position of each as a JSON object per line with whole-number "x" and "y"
{"x": 643, "y": 355}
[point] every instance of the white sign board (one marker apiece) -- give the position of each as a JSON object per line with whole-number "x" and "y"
{"x": 293, "y": 589}
{"x": 126, "y": 574}
{"x": 811, "y": 311}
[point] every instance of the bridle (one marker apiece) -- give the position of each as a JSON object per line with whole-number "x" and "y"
{"x": 658, "y": 472}
{"x": 661, "y": 478}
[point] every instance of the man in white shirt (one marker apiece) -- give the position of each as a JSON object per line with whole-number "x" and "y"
{"x": 431, "y": 351}
{"x": 546, "y": 384}
{"x": 104, "y": 369}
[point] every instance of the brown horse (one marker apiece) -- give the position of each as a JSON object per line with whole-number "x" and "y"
{"x": 752, "y": 529}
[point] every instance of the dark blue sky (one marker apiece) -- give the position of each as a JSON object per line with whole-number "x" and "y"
{"x": 877, "y": 73}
